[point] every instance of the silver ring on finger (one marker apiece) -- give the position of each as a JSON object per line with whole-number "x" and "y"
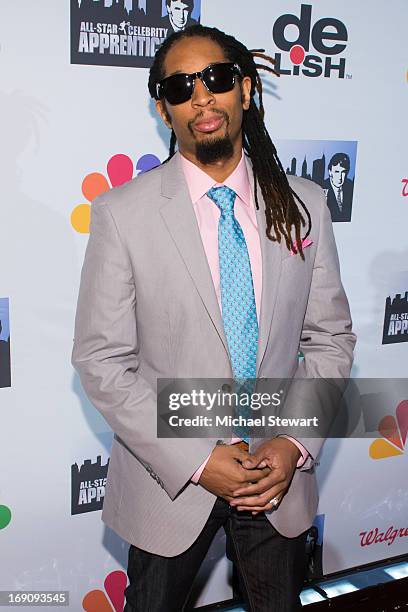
{"x": 274, "y": 501}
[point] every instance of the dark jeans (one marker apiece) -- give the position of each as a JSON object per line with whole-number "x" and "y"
{"x": 270, "y": 567}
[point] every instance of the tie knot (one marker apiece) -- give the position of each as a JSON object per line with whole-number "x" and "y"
{"x": 224, "y": 197}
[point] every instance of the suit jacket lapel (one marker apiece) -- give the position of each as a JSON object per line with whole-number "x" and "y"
{"x": 271, "y": 268}
{"x": 179, "y": 217}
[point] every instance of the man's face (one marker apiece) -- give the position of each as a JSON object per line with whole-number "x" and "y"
{"x": 338, "y": 175}
{"x": 179, "y": 13}
{"x": 206, "y": 118}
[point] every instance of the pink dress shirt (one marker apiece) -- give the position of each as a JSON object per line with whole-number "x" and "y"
{"x": 208, "y": 214}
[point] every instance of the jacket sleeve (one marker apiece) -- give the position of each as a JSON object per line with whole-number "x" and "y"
{"x": 106, "y": 354}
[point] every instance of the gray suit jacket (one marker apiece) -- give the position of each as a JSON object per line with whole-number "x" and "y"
{"x": 147, "y": 309}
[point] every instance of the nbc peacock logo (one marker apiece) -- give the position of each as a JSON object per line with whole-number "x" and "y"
{"x": 111, "y": 599}
{"x": 120, "y": 169}
{"x": 394, "y": 432}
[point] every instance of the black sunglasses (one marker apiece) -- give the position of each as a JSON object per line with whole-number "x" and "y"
{"x": 217, "y": 78}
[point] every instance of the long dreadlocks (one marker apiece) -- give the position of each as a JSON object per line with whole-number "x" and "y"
{"x": 281, "y": 210}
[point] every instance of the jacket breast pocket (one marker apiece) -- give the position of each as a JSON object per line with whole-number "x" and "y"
{"x": 295, "y": 281}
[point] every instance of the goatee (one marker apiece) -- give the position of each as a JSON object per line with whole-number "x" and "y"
{"x": 211, "y": 151}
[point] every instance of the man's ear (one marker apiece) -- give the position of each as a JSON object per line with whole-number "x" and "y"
{"x": 246, "y": 92}
{"x": 162, "y": 110}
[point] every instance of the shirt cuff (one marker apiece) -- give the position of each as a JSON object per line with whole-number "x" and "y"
{"x": 302, "y": 449}
{"x": 196, "y": 476}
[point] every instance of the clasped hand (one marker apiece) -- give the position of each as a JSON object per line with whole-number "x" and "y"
{"x": 250, "y": 481}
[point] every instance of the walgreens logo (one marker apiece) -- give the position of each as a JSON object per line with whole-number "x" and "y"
{"x": 310, "y": 48}
{"x": 375, "y": 536}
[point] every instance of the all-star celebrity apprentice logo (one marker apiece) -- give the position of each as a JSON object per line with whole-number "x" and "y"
{"x": 396, "y": 319}
{"x": 88, "y": 486}
{"x": 316, "y": 49}
{"x": 126, "y": 32}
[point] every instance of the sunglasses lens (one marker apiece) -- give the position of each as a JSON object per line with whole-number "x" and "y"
{"x": 219, "y": 78}
{"x": 178, "y": 88}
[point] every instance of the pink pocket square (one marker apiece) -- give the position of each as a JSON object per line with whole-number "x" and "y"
{"x": 305, "y": 243}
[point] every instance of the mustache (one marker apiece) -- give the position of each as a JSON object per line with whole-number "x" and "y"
{"x": 200, "y": 115}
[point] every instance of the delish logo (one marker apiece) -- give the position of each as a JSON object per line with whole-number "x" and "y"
{"x": 314, "y": 49}
{"x": 394, "y": 434}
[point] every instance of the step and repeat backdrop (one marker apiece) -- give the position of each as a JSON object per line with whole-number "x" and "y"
{"x": 76, "y": 120}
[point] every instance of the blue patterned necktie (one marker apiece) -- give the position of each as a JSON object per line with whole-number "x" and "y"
{"x": 237, "y": 295}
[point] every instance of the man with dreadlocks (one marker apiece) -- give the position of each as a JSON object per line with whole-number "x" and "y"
{"x": 201, "y": 268}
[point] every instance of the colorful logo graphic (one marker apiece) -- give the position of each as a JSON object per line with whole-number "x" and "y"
{"x": 404, "y": 192}
{"x": 396, "y": 319}
{"x": 394, "y": 434}
{"x": 126, "y": 32}
{"x": 88, "y": 486}
{"x": 120, "y": 170}
{"x": 5, "y": 516}
{"x": 329, "y": 163}
{"x": 112, "y": 599}
{"x": 328, "y": 38}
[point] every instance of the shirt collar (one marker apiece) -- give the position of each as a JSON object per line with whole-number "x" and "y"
{"x": 335, "y": 188}
{"x": 199, "y": 182}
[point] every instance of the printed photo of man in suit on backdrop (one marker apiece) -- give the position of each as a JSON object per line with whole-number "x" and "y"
{"x": 178, "y": 15}
{"x": 308, "y": 159}
{"x": 338, "y": 188}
